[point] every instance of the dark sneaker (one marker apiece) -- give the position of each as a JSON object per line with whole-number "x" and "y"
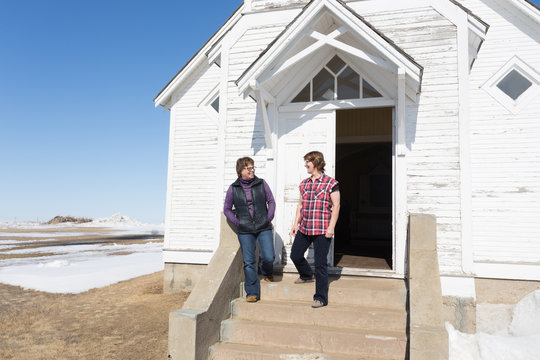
{"x": 251, "y": 299}
{"x": 269, "y": 278}
{"x": 317, "y": 304}
{"x": 302, "y": 281}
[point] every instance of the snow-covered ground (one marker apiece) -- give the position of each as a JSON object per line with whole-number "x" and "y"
{"x": 76, "y": 266}
{"x": 519, "y": 340}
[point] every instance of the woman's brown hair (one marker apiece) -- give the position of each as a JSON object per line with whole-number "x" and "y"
{"x": 317, "y": 158}
{"x": 243, "y": 162}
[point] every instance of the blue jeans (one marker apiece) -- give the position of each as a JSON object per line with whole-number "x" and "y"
{"x": 265, "y": 239}
{"x": 321, "y": 245}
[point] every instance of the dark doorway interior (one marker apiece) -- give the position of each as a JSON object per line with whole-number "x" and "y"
{"x": 364, "y": 170}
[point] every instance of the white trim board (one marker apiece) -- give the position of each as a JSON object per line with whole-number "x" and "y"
{"x": 187, "y": 256}
{"x": 507, "y": 271}
{"x": 457, "y": 286}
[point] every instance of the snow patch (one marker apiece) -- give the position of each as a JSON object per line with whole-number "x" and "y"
{"x": 81, "y": 276}
{"x": 526, "y": 316}
{"x": 118, "y": 220}
{"x": 520, "y": 340}
{"x": 121, "y": 224}
{"x": 54, "y": 264}
{"x": 79, "y": 266}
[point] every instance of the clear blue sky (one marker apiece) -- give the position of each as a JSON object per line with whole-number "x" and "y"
{"x": 79, "y": 134}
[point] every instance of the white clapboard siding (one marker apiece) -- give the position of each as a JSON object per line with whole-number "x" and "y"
{"x": 505, "y": 156}
{"x": 433, "y": 171}
{"x": 244, "y": 133}
{"x": 192, "y": 168}
{"x": 504, "y": 151}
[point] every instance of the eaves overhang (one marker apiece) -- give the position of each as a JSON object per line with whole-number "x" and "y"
{"x": 528, "y": 8}
{"x": 478, "y": 29}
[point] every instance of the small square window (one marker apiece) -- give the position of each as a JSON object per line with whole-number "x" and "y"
{"x": 215, "y": 104}
{"x": 210, "y": 103}
{"x": 514, "y": 84}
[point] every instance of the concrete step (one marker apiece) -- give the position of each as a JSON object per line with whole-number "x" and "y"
{"x": 316, "y": 339}
{"x": 343, "y": 316}
{"x": 351, "y": 290}
{"x": 226, "y": 351}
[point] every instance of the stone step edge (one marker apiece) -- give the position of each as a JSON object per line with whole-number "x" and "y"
{"x": 331, "y": 305}
{"x": 339, "y": 286}
{"x": 388, "y": 283}
{"x": 397, "y": 303}
{"x": 265, "y": 350}
{"x": 400, "y": 335}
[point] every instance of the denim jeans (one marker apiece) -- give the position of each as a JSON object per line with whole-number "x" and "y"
{"x": 321, "y": 245}
{"x": 265, "y": 239}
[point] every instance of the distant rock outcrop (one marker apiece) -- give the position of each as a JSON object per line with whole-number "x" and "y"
{"x": 65, "y": 219}
{"x": 118, "y": 219}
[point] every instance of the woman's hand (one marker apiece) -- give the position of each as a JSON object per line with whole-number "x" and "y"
{"x": 329, "y": 233}
{"x": 294, "y": 230}
{"x": 296, "y": 222}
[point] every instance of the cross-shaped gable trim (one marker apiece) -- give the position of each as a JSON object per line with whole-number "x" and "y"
{"x": 394, "y": 56}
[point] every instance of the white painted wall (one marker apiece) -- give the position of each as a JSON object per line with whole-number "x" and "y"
{"x": 192, "y": 169}
{"x": 504, "y": 151}
{"x": 244, "y": 131}
{"x": 433, "y": 160}
{"x": 505, "y": 160}
{"x": 433, "y": 170}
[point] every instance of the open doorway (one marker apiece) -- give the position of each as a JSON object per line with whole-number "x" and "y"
{"x": 363, "y": 236}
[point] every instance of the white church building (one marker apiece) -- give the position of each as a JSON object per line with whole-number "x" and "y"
{"x": 419, "y": 106}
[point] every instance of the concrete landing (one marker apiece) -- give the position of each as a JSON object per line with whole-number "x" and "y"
{"x": 352, "y": 290}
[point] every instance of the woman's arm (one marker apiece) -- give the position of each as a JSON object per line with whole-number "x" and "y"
{"x": 271, "y": 203}
{"x": 335, "y": 198}
{"x": 227, "y": 207}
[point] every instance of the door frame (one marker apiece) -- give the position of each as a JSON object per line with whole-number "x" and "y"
{"x": 284, "y": 217}
{"x": 399, "y": 199}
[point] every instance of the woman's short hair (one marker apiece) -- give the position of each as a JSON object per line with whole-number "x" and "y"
{"x": 242, "y": 163}
{"x": 317, "y": 158}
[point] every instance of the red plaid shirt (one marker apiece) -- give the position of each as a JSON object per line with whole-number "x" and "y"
{"x": 316, "y": 204}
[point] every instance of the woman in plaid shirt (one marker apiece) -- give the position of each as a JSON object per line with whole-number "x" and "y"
{"x": 316, "y": 217}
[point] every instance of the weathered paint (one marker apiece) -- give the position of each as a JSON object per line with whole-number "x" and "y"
{"x": 504, "y": 146}
{"x": 443, "y": 131}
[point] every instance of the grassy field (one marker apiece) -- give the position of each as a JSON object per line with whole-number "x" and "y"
{"x": 127, "y": 320}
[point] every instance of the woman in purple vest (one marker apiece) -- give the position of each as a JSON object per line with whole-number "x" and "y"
{"x": 253, "y": 212}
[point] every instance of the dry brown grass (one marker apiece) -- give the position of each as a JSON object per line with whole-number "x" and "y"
{"x": 128, "y": 320}
{"x": 23, "y": 256}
